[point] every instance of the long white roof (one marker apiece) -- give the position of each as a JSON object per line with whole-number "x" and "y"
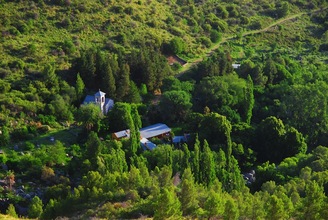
{"x": 154, "y": 130}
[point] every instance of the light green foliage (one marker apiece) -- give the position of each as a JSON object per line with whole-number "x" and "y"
{"x": 60, "y": 108}
{"x": 188, "y": 196}
{"x": 168, "y": 205}
{"x": 313, "y": 204}
{"x": 90, "y": 116}
{"x": 225, "y": 95}
{"x": 11, "y": 211}
{"x": 35, "y": 209}
{"x": 214, "y": 204}
{"x": 118, "y": 46}
{"x": 177, "y": 45}
{"x": 275, "y": 209}
{"x": 207, "y": 165}
{"x": 79, "y": 87}
{"x": 231, "y": 210}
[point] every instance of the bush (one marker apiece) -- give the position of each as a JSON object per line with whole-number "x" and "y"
{"x": 215, "y": 36}
{"x": 205, "y": 41}
{"x": 177, "y": 45}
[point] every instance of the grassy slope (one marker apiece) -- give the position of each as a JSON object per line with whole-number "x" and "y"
{"x": 294, "y": 26}
{"x": 89, "y": 23}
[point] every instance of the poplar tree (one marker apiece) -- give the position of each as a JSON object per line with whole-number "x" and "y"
{"x": 207, "y": 165}
{"x": 79, "y": 87}
{"x": 186, "y": 157}
{"x": 188, "y": 196}
{"x": 231, "y": 211}
{"x": 93, "y": 148}
{"x": 214, "y": 204}
{"x": 249, "y": 99}
{"x": 123, "y": 82}
{"x": 168, "y": 205}
{"x": 196, "y": 160}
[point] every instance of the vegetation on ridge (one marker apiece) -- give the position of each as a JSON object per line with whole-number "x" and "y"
{"x": 253, "y": 134}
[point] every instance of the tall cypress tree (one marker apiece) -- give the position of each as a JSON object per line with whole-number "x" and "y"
{"x": 249, "y": 99}
{"x": 207, "y": 165}
{"x": 196, "y": 160}
{"x": 123, "y": 82}
{"x": 108, "y": 80}
{"x": 79, "y": 87}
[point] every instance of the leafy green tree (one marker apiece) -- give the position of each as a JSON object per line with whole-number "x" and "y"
{"x": 93, "y": 148}
{"x": 174, "y": 105}
{"x": 168, "y": 205}
{"x": 313, "y": 203}
{"x": 207, "y": 165}
{"x": 35, "y": 208}
{"x": 283, "y": 10}
{"x": 79, "y": 87}
{"x": 275, "y": 209}
{"x": 90, "y": 115}
{"x": 272, "y": 134}
{"x": 177, "y": 45}
{"x": 11, "y": 211}
{"x": 216, "y": 129}
{"x": 60, "y": 108}
{"x": 304, "y": 108}
{"x": 50, "y": 77}
{"x": 215, "y": 36}
{"x": 270, "y": 70}
{"x": 231, "y": 210}
{"x": 186, "y": 157}
{"x": 258, "y": 77}
{"x": 214, "y": 204}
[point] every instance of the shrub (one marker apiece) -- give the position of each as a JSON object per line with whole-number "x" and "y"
{"x": 205, "y": 41}
{"x": 215, "y": 36}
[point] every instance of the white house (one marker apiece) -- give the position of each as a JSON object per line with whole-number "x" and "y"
{"x": 99, "y": 99}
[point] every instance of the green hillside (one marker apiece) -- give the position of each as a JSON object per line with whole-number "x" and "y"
{"x": 238, "y": 91}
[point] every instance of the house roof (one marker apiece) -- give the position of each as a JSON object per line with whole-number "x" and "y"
{"x": 154, "y": 130}
{"x": 122, "y": 134}
{"x": 179, "y": 139}
{"x": 100, "y": 93}
{"x": 236, "y": 65}
{"x": 146, "y": 144}
{"x": 89, "y": 99}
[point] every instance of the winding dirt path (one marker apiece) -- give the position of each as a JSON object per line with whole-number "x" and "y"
{"x": 212, "y": 49}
